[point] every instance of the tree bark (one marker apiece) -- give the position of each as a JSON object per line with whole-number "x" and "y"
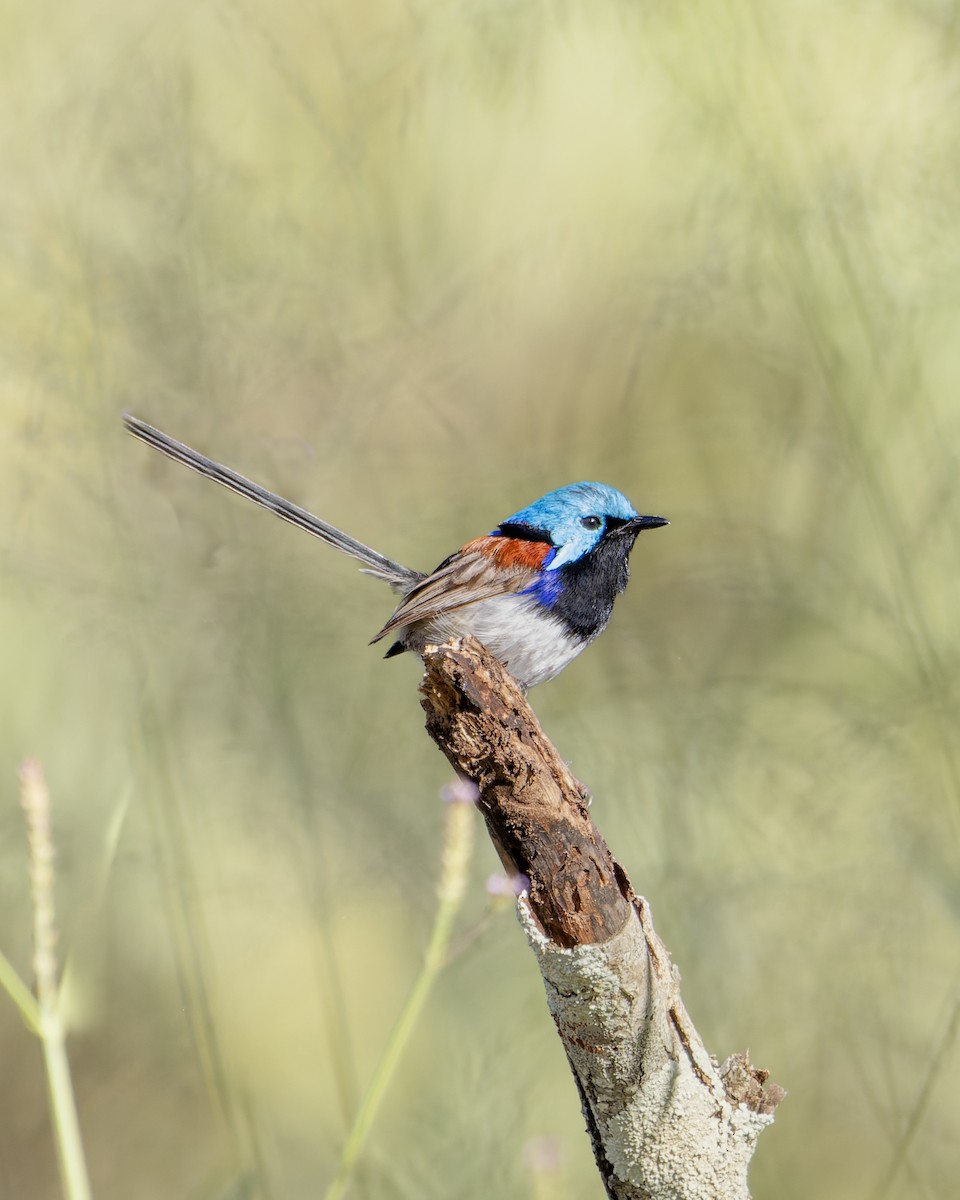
{"x": 665, "y": 1121}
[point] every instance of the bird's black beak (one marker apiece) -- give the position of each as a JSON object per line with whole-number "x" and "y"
{"x": 637, "y": 524}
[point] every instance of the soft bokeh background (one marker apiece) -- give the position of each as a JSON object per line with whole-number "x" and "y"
{"x": 412, "y": 264}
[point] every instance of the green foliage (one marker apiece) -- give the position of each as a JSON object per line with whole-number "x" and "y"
{"x": 412, "y": 265}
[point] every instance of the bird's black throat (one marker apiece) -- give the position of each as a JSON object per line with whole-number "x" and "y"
{"x": 591, "y": 584}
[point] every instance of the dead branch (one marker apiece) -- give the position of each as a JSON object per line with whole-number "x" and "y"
{"x": 666, "y": 1123}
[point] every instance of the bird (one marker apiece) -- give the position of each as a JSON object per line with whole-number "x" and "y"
{"x": 536, "y": 590}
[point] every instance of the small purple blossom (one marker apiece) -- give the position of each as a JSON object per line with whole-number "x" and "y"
{"x": 507, "y": 885}
{"x": 543, "y": 1153}
{"x": 460, "y": 791}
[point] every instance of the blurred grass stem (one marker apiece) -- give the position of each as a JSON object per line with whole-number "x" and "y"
{"x": 938, "y": 1063}
{"x": 458, "y": 846}
{"x": 35, "y": 800}
{"x": 19, "y": 993}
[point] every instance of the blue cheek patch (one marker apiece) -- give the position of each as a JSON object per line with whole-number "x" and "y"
{"x": 567, "y": 553}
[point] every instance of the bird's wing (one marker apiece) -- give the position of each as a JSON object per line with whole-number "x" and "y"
{"x": 482, "y": 569}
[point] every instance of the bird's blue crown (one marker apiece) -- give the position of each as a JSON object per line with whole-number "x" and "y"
{"x": 565, "y": 515}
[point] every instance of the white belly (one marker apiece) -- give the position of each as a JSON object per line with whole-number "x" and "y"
{"x": 530, "y": 643}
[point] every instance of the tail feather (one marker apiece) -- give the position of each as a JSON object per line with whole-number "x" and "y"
{"x": 398, "y": 576}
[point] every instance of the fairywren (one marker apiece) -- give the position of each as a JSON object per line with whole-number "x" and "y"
{"x": 535, "y": 591}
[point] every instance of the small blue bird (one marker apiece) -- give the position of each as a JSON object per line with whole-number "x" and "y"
{"x": 535, "y": 591}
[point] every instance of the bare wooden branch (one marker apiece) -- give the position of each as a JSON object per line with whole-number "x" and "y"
{"x": 666, "y": 1123}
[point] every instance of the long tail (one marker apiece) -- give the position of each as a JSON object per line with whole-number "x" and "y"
{"x": 398, "y": 576}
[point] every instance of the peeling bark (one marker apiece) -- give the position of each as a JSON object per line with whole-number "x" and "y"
{"x": 665, "y": 1122}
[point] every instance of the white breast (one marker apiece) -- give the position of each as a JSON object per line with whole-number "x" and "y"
{"x": 531, "y": 644}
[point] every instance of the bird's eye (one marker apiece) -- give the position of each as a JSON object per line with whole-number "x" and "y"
{"x": 591, "y": 522}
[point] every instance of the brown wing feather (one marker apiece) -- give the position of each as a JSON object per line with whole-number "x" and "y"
{"x": 465, "y": 578}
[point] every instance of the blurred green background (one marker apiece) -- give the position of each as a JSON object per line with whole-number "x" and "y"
{"x": 412, "y": 264}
